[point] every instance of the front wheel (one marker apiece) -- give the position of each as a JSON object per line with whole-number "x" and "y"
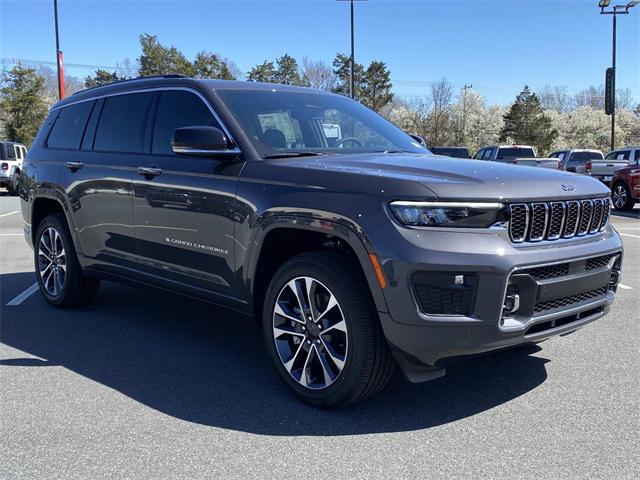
{"x": 322, "y": 331}
{"x": 622, "y": 199}
{"x": 58, "y": 272}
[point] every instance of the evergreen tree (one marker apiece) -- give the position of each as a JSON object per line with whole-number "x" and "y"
{"x": 287, "y": 72}
{"x": 342, "y": 71}
{"x": 264, "y": 72}
{"x": 22, "y": 102}
{"x": 209, "y": 65}
{"x": 377, "y": 86}
{"x": 526, "y": 123}
{"x": 157, "y": 59}
{"x": 101, "y": 77}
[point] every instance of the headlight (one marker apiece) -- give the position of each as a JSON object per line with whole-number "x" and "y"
{"x": 446, "y": 214}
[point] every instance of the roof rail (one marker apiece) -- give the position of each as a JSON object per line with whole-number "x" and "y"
{"x": 168, "y": 75}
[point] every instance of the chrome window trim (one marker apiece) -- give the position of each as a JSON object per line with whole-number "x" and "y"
{"x": 161, "y": 89}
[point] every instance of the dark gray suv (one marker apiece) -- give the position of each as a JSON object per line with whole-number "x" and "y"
{"x": 353, "y": 247}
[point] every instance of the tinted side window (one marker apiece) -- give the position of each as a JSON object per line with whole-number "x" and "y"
{"x": 637, "y": 156}
{"x": 69, "y": 127}
{"x": 123, "y": 123}
{"x": 178, "y": 109}
{"x": 478, "y": 155}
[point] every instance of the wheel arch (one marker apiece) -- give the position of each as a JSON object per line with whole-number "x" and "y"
{"x": 285, "y": 236}
{"x": 45, "y": 202}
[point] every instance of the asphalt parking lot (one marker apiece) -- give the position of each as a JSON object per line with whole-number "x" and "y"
{"x": 145, "y": 385}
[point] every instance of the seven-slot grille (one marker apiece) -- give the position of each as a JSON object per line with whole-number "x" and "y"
{"x": 534, "y": 222}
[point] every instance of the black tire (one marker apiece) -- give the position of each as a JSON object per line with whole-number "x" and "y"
{"x": 368, "y": 365}
{"x": 77, "y": 289}
{"x": 621, "y": 196}
{"x": 12, "y": 186}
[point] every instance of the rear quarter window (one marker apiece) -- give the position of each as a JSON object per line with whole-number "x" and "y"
{"x": 123, "y": 123}
{"x": 69, "y": 126}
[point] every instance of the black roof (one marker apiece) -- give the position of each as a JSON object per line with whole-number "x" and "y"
{"x": 176, "y": 80}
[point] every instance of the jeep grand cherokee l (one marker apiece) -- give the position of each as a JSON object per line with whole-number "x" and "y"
{"x": 356, "y": 255}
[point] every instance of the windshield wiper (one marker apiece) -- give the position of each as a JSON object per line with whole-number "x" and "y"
{"x": 294, "y": 154}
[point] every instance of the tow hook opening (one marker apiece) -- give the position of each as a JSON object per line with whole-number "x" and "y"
{"x": 615, "y": 277}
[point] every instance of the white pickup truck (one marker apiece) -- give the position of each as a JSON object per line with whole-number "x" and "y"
{"x": 604, "y": 170}
{"x": 517, "y": 155}
{"x": 12, "y": 155}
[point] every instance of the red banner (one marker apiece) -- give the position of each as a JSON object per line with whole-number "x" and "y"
{"x": 61, "y": 75}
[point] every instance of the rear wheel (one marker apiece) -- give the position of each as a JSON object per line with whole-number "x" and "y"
{"x": 621, "y": 195}
{"x": 12, "y": 186}
{"x": 58, "y": 272}
{"x": 322, "y": 331}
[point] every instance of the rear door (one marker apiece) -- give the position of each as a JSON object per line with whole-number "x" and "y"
{"x": 184, "y": 213}
{"x": 98, "y": 179}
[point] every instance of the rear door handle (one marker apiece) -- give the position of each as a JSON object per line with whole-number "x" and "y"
{"x": 74, "y": 166}
{"x": 149, "y": 172}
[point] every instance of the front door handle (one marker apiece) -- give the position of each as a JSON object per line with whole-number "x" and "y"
{"x": 149, "y": 172}
{"x": 74, "y": 166}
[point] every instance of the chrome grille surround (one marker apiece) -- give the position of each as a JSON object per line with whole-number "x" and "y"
{"x": 542, "y": 221}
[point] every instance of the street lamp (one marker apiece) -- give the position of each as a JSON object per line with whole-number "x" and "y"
{"x": 610, "y": 92}
{"x": 58, "y": 53}
{"x": 353, "y": 57}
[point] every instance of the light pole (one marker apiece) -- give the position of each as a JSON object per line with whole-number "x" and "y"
{"x": 610, "y": 93}
{"x": 352, "y": 61}
{"x": 58, "y": 53}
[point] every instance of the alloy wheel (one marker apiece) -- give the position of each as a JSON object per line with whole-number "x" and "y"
{"x": 52, "y": 261}
{"x": 310, "y": 333}
{"x": 620, "y": 196}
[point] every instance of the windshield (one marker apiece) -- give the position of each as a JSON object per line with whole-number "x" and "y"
{"x": 281, "y": 124}
{"x": 515, "y": 152}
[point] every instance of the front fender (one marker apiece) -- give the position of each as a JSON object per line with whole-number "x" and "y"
{"x": 328, "y": 223}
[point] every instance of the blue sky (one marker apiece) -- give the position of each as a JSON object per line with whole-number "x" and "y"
{"x": 497, "y": 46}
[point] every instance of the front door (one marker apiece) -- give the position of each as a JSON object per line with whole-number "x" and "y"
{"x": 183, "y": 205}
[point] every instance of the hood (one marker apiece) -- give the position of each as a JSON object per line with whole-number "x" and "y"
{"x": 462, "y": 179}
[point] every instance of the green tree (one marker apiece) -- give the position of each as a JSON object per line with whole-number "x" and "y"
{"x": 22, "y": 102}
{"x": 209, "y": 65}
{"x": 101, "y": 77}
{"x": 265, "y": 72}
{"x": 288, "y": 73}
{"x": 376, "y": 91}
{"x": 342, "y": 71}
{"x": 526, "y": 123}
{"x": 156, "y": 59}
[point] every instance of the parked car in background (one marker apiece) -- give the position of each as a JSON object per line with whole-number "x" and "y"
{"x": 576, "y": 160}
{"x": 605, "y": 170}
{"x": 517, "y": 155}
{"x": 456, "y": 152}
{"x": 625, "y": 184}
{"x": 11, "y": 156}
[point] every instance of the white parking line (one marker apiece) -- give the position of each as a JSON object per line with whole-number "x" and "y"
{"x": 625, "y": 287}
{"x": 7, "y": 214}
{"x": 11, "y": 234}
{"x": 629, "y": 235}
{"x": 24, "y": 295}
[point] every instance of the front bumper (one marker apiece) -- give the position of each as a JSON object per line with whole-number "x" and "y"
{"x": 554, "y": 305}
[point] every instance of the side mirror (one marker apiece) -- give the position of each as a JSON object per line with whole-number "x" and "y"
{"x": 419, "y": 139}
{"x": 201, "y": 141}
